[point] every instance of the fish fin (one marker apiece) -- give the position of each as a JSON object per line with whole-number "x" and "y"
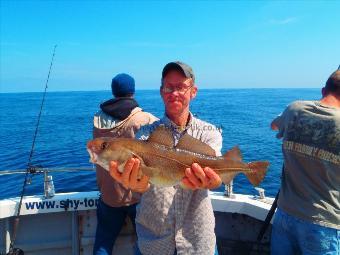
{"x": 158, "y": 178}
{"x": 162, "y": 135}
{"x": 258, "y": 172}
{"x": 187, "y": 142}
{"x": 163, "y": 182}
{"x": 234, "y": 154}
{"x": 149, "y": 171}
{"x": 228, "y": 177}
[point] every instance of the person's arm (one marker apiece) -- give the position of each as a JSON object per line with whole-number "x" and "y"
{"x": 274, "y": 126}
{"x": 278, "y": 124}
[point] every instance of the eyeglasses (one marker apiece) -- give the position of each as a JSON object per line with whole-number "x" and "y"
{"x": 181, "y": 90}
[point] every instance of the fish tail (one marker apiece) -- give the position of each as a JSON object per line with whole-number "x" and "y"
{"x": 258, "y": 172}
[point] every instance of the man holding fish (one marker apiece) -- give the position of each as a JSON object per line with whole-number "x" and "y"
{"x": 175, "y": 162}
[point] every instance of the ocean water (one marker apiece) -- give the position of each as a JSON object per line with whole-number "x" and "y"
{"x": 66, "y": 124}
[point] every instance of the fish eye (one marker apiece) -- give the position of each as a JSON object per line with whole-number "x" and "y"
{"x": 104, "y": 145}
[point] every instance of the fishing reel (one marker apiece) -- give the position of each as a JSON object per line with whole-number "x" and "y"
{"x": 16, "y": 251}
{"x": 32, "y": 170}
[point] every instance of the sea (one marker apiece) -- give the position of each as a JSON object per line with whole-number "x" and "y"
{"x": 243, "y": 115}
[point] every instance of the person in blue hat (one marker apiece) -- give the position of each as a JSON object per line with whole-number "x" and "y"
{"x": 120, "y": 116}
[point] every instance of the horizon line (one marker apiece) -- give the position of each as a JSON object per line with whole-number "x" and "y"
{"x": 72, "y": 91}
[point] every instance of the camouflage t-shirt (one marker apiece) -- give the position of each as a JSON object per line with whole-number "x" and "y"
{"x": 311, "y": 148}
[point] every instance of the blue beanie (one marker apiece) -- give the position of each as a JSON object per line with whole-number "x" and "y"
{"x": 122, "y": 85}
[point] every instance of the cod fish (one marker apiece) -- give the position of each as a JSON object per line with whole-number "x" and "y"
{"x": 165, "y": 163}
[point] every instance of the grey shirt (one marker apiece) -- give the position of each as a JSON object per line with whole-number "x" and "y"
{"x": 311, "y": 148}
{"x": 175, "y": 218}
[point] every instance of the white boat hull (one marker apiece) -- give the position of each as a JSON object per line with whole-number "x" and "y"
{"x": 66, "y": 224}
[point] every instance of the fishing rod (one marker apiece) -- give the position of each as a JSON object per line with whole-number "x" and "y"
{"x": 12, "y": 250}
{"x": 41, "y": 170}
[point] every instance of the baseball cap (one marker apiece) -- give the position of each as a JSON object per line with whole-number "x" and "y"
{"x": 179, "y": 66}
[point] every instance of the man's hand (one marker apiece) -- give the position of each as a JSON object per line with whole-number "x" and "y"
{"x": 129, "y": 177}
{"x": 197, "y": 177}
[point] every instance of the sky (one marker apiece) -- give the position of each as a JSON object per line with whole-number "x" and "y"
{"x": 229, "y": 44}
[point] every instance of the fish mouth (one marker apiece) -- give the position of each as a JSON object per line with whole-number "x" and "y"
{"x": 93, "y": 156}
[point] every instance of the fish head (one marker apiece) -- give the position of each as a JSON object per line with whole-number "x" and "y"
{"x": 103, "y": 150}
